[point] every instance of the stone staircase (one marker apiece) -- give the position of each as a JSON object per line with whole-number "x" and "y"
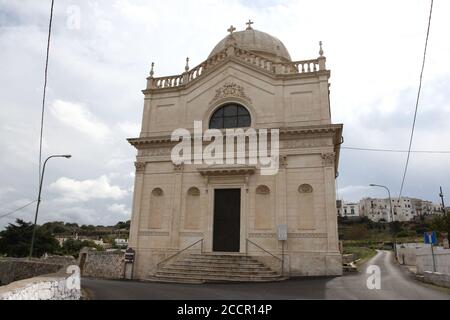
{"x": 201, "y": 268}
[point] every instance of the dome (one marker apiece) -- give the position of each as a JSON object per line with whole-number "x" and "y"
{"x": 257, "y": 42}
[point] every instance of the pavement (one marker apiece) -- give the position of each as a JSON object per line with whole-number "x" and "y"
{"x": 396, "y": 283}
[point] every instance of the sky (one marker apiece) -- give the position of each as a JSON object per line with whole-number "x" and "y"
{"x": 100, "y": 56}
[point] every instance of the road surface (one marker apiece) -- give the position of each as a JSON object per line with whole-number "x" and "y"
{"x": 396, "y": 283}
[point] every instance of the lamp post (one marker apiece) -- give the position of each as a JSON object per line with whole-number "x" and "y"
{"x": 391, "y": 213}
{"x": 67, "y": 156}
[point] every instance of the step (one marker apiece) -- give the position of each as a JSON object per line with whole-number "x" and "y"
{"x": 184, "y": 266}
{"x": 174, "y": 280}
{"x": 213, "y": 275}
{"x": 221, "y": 257}
{"x": 212, "y": 271}
{"x": 222, "y": 261}
{"x": 218, "y": 268}
{"x": 202, "y": 279}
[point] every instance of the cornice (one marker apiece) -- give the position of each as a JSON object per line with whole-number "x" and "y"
{"x": 300, "y": 130}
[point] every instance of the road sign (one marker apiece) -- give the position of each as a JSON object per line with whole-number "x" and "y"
{"x": 430, "y": 237}
{"x": 129, "y": 255}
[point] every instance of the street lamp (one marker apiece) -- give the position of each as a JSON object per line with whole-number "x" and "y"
{"x": 67, "y": 156}
{"x": 390, "y": 210}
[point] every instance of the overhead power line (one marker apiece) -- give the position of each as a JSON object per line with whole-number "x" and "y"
{"x": 45, "y": 88}
{"x": 397, "y": 150}
{"x": 14, "y": 211}
{"x": 417, "y": 101}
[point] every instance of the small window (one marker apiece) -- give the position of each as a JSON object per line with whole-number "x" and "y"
{"x": 230, "y": 116}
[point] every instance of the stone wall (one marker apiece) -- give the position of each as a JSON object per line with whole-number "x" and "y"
{"x": 424, "y": 261}
{"x": 406, "y": 254}
{"x": 439, "y": 279}
{"x": 12, "y": 269}
{"x": 419, "y": 255}
{"x": 102, "y": 264}
{"x": 58, "y": 286}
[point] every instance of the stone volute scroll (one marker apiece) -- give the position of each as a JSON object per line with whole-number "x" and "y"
{"x": 178, "y": 167}
{"x": 283, "y": 161}
{"x": 328, "y": 158}
{"x": 230, "y": 90}
{"x": 140, "y": 166}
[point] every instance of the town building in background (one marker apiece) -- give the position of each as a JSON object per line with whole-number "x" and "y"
{"x": 347, "y": 209}
{"x": 404, "y": 209}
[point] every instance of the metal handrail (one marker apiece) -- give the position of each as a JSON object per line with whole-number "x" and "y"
{"x": 177, "y": 253}
{"x": 278, "y": 258}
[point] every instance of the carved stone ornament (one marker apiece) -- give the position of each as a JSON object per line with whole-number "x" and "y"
{"x": 193, "y": 191}
{"x": 305, "y": 188}
{"x": 263, "y": 189}
{"x": 230, "y": 89}
{"x": 328, "y": 158}
{"x": 178, "y": 167}
{"x": 283, "y": 161}
{"x": 140, "y": 166}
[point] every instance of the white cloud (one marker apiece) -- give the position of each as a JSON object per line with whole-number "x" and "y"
{"x": 79, "y": 117}
{"x": 6, "y": 190}
{"x": 119, "y": 162}
{"x": 353, "y": 193}
{"x": 130, "y": 129}
{"x": 72, "y": 190}
{"x": 120, "y": 209}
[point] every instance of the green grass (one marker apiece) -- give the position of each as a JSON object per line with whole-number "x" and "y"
{"x": 362, "y": 253}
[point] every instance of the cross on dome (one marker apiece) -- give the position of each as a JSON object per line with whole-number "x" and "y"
{"x": 231, "y": 29}
{"x": 249, "y": 24}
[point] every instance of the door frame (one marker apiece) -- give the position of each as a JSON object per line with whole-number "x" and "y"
{"x": 243, "y": 216}
{"x": 236, "y": 232}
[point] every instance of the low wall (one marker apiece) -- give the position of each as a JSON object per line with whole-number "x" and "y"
{"x": 58, "y": 286}
{"x": 424, "y": 261}
{"x": 12, "y": 269}
{"x": 102, "y": 264}
{"x": 407, "y": 256}
{"x": 439, "y": 279}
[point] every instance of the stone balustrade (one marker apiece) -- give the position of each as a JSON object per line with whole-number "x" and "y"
{"x": 167, "y": 82}
{"x": 296, "y": 67}
{"x": 255, "y": 60}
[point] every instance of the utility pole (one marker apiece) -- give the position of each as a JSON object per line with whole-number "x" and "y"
{"x": 441, "y": 195}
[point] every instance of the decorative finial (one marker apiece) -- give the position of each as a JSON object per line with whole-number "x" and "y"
{"x": 231, "y": 30}
{"x": 186, "y": 68}
{"x": 321, "y": 50}
{"x": 151, "y": 70}
{"x": 249, "y": 24}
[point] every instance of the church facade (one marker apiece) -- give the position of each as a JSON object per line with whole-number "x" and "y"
{"x": 248, "y": 81}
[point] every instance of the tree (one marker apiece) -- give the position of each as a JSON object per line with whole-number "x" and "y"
{"x": 15, "y": 240}
{"x": 123, "y": 225}
{"x": 56, "y": 227}
{"x": 72, "y": 247}
{"x": 442, "y": 224}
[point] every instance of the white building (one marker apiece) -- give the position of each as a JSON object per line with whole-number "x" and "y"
{"x": 347, "y": 209}
{"x": 404, "y": 209}
{"x": 123, "y": 243}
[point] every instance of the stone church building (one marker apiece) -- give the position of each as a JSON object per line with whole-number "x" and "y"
{"x": 198, "y": 222}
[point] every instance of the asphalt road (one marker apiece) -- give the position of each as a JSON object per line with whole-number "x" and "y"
{"x": 396, "y": 283}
